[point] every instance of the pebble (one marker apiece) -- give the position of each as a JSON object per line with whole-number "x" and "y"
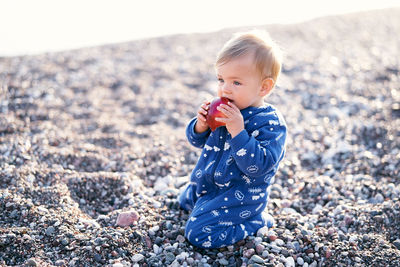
{"x": 180, "y": 238}
{"x": 272, "y": 235}
{"x": 259, "y": 249}
{"x": 59, "y": 263}
{"x": 223, "y": 262}
{"x": 98, "y": 258}
{"x": 300, "y": 261}
{"x": 397, "y": 243}
{"x": 137, "y": 258}
{"x": 289, "y": 262}
{"x": 257, "y": 259}
{"x": 127, "y": 218}
{"x": 50, "y": 231}
{"x": 265, "y": 254}
{"x": 248, "y": 253}
{"x": 169, "y": 257}
{"x": 262, "y": 231}
{"x": 31, "y": 262}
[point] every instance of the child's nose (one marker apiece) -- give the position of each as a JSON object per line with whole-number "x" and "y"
{"x": 226, "y": 88}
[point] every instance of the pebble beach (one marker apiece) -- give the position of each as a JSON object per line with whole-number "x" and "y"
{"x": 89, "y": 134}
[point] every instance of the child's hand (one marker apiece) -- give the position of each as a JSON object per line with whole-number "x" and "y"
{"x": 201, "y": 125}
{"x": 234, "y": 119}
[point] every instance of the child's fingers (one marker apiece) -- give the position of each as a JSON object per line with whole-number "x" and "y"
{"x": 233, "y": 106}
{"x": 205, "y": 106}
{"x": 202, "y": 111}
{"x": 201, "y": 114}
{"x": 222, "y": 119}
{"x": 227, "y": 110}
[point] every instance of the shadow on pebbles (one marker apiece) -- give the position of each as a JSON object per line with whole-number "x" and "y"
{"x": 89, "y": 134}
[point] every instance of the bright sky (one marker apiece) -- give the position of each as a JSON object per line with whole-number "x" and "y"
{"x": 36, "y": 26}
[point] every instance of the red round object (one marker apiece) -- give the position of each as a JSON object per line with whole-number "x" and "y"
{"x": 214, "y": 113}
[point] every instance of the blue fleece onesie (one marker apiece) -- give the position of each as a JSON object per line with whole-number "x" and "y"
{"x": 228, "y": 189}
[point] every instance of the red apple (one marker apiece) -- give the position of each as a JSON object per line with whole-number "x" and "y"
{"x": 213, "y": 113}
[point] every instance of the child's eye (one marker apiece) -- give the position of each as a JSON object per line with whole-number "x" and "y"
{"x": 236, "y": 83}
{"x": 220, "y": 80}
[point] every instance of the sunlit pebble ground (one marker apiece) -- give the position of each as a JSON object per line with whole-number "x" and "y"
{"x": 89, "y": 133}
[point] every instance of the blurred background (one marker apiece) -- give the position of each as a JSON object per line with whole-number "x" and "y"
{"x": 31, "y": 27}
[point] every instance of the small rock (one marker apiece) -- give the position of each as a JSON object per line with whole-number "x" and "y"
{"x": 379, "y": 198}
{"x": 31, "y": 262}
{"x": 262, "y": 231}
{"x": 50, "y": 230}
{"x": 97, "y": 257}
{"x": 127, "y": 218}
{"x": 331, "y": 231}
{"x": 180, "y": 238}
{"x": 182, "y": 256}
{"x": 156, "y": 249}
{"x": 257, "y": 259}
{"x": 272, "y": 235}
{"x": 169, "y": 257}
{"x": 300, "y": 261}
{"x": 114, "y": 253}
{"x": 248, "y": 253}
{"x": 397, "y": 243}
{"x": 265, "y": 254}
{"x": 137, "y": 258}
{"x": 223, "y": 262}
{"x": 59, "y": 263}
{"x": 328, "y": 253}
{"x": 190, "y": 261}
{"x": 317, "y": 209}
{"x": 279, "y": 242}
{"x": 26, "y": 237}
{"x": 289, "y": 262}
{"x": 259, "y": 249}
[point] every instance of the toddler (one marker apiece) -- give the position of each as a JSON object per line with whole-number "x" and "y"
{"x": 228, "y": 189}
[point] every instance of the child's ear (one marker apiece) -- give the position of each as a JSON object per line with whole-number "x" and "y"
{"x": 266, "y": 86}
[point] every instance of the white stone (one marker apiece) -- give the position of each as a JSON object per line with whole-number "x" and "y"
{"x": 317, "y": 209}
{"x": 137, "y": 257}
{"x": 289, "y": 262}
{"x": 262, "y": 231}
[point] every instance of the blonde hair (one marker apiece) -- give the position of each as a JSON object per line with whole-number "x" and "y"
{"x": 267, "y": 55}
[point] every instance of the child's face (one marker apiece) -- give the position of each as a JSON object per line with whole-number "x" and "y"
{"x": 239, "y": 81}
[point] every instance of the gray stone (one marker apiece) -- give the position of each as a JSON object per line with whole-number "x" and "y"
{"x": 257, "y": 259}
{"x": 169, "y": 257}
{"x": 223, "y": 261}
{"x": 50, "y": 230}
{"x": 137, "y": 258}
{"x": 31, "y": 262}
{"x": 397, "y": 243}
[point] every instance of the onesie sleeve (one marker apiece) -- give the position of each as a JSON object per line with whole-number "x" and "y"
{"x": 257, "y": 152}
{"x": 196, "y": 139}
